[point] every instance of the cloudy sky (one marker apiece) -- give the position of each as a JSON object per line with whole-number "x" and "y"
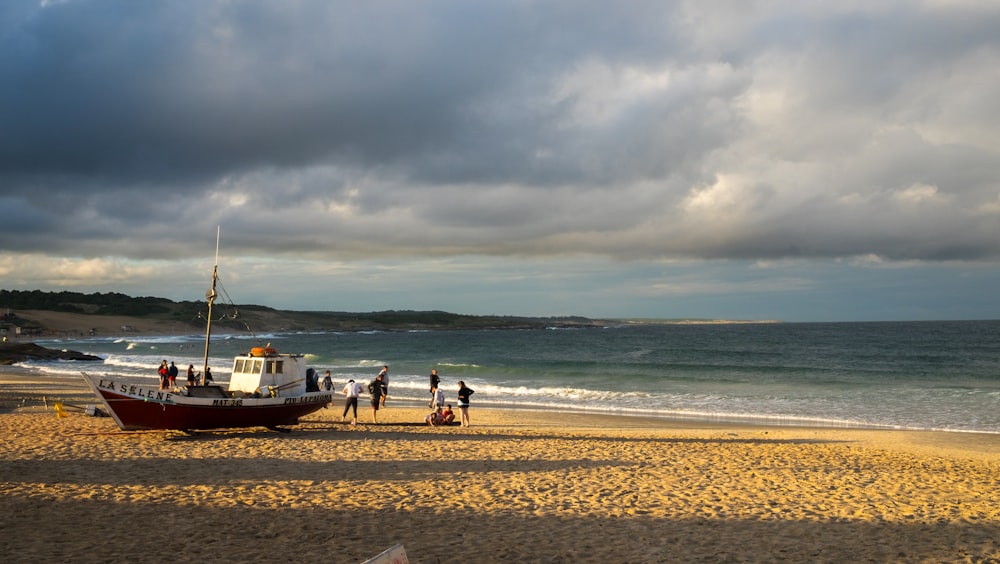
{"x": 737, "y": 159}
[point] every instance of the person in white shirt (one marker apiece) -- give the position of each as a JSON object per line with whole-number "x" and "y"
{"x": 352, "y": 390}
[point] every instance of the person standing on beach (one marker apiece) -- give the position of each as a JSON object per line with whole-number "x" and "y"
{"x": 208, "y": 376}
{"x": 434, "y": 386}
{"x": 384, "y": 375}
{"x": 352, "y": 390}
{"x": 327, "y": 382}
{"x": 463, "y": 401}
{"x": 172, "y": 375}
{"x": 192, "y": 379}
{"x": 164, "y": 372}
{"x": 375, "y": 389}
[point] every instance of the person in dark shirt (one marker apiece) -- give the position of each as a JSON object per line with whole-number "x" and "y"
{"x": 463, "y": 401}
{"x": 384, "y": 375}
{"x": 172, "y": 375}
{"x": 434, "y": 386}
{"x": 375, "y": 389}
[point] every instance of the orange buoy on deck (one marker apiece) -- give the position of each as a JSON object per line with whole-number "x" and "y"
{"x": 263, "y": 351}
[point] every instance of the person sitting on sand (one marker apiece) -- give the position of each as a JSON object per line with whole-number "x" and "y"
{"x": 435, "y": 418}
{"x": 447, "y": 416}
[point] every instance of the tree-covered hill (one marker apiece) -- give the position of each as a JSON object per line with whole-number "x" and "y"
{"x": 263, "y": 318}
{"x": 111, "y": 303}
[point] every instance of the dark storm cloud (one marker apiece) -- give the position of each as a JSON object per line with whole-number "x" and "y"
{"x": 639, "y": 131}
{"x": 196, "y": 89}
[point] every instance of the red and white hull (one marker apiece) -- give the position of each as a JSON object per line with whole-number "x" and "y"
{"x": 141, "y": 407}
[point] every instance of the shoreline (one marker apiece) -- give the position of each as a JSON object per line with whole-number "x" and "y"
{"x": 518, "y": 485}
{"x": 28, "y": 376}
{"x": 30, "y": 393}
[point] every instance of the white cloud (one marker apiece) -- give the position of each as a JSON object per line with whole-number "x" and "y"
{"x": 919, "y": 194}
{"x": 771, "y": 133}
{"x": 31, "y": 270}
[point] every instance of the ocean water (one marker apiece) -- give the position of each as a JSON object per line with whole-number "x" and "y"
{"x": 906, "y": 375}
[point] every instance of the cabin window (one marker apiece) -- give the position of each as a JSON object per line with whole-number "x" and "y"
{"x": 239, "y": 365}
{"x": 273, "y": 367}
{"x": 279, "y": 366}
{"x": 257, "y": 365}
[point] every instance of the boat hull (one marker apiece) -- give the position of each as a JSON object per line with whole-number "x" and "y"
{"x": 139, "y": 407}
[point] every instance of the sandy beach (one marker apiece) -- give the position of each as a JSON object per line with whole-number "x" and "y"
{"x": 517, "y": 486}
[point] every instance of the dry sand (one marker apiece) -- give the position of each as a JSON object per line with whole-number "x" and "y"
{"x": 517, "y": 486}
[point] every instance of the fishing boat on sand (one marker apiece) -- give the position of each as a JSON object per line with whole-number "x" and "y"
{"x": 267, "y": 389}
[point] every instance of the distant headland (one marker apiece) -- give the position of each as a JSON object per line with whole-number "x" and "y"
{"x": 28, "y": 314}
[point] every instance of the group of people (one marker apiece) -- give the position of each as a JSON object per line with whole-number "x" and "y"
{"x": 442, "y": 414}
{"x": 378, "y": 390}
{"x": 168, "y": 376}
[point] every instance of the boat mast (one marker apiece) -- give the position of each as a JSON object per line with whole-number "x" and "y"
{"x": 210, "y": 295}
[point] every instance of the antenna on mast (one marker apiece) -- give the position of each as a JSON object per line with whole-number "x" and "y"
{"x": 210, "y": 295}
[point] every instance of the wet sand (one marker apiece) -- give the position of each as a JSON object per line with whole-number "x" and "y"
{"x": 517, "y": 486}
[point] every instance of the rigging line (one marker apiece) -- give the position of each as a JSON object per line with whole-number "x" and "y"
{"x": 236, "y": 312}
{"x": 252, "y": 334}
{"x": 225, "y": 293}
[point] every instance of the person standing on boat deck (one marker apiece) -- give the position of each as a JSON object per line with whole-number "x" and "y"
{"x": 164, "y": 372}
{"x": 352, "y": 390}
{"x": 434, "y": 386}
{"x": 375, "y": 389}
{"x": 192, "y": 379}
{"x": 463, "y": 402}
{"x": 385, "y": 384}
{"x": 172, "y": 375}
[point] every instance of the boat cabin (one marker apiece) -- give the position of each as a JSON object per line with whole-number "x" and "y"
{"x": 265, "y": 371}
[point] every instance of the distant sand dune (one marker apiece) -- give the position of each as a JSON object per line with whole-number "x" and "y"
{"x": 77, "y": 324}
